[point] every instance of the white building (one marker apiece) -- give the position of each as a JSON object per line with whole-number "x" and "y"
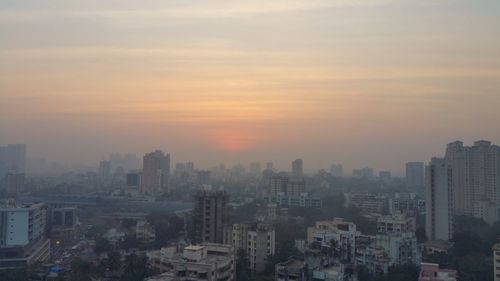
{"x": 439, "y": 202}
{"x": 496, "y": 262}
{"x": 23, "y": 238}
{"x": 401, "y": 248}
{"x": 339, "y": 233}
{"x": 397, "y": 223}
{"x": 206, "y": 262}
{"x": 257, "y": 240}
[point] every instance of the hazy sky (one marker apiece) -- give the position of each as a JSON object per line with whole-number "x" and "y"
{"x": 364, "y": 83}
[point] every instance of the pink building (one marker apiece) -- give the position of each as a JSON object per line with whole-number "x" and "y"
{"x": 432, "y": 272}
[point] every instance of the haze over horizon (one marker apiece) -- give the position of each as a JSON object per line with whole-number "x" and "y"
{"x": 360, "y": 83}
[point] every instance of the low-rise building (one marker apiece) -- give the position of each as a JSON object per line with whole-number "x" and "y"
{"x": 367, "y": 203}
{"x": 396, "y": 223}
{"x": 339, "y": 234}
{"x": 402, "y": 248}
{"x": 496, "y": 262}
{"x": 432, "y": 272}
{"x": 295, "y": 269}
{"x": 144, "y": 232}
{"x": 207, "y": 262}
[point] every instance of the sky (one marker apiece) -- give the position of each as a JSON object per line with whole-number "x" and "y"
{"x": 364, "y": 83}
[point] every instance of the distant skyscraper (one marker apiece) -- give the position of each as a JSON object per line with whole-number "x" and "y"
{"x": 336, "y": 170}
{"x": 297, "y": 168}
{"x": 133, "y": 179}
{"x": 439, "y": 201}
{"x": 14, "y": 183}
{"x": 210, "y": 216}
{"x": 415, "y": 174}
{"x": 255, "y": 169}
{"x": 155, "y": 172}
{"x": 384, "y": 175}
{"x": 269, "y": 165}
{"x": 12, "y": 157}
{"x": 104, "y": 169}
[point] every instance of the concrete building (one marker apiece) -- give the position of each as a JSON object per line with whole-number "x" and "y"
{"x": 439, "y": 202}
{"x": 144, "y": 232}
{"x": 397, "y": 223}
{"x": 401, "y": 248}
{"x": 12, "y": 157}
{"x": 295, "y": 269}
{"x": 256, "y": 240}
{"x": 374, "y": 258}
{"x": 205, "y": 262}
{"x": 475, "y": 179}
{"x": 415, "y": 174}
{"x": 337, "y": 231}
{"x": 14, "y": 183}
{"x": 64, "y": 224}
{"x": 297, "y": 168}
{"x": 432, "y": 272}
{"x": 104, "y": 170}
{"x": 385, "y": 176}
{"x": 367, "y": 203}
{"x": 496, "y": 262}
{"x": 23, "y": 239}
{"x": 336, "y": 170}
{"x": 155, "y": 172}
{"x": 210, "y": 216}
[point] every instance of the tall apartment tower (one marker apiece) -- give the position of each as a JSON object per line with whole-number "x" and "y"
{"x": 210, "y": 215}
{"x": 439, "y": 201}
{"x": 104, "y": 169}
{"x": 12, "y": 157}
{"x": 155, "y": 172}
{"x": 457, "y": 159}
{"x": 475, "y": 179}
{"x": 14, "y": 183}
{"x": 415, "y": 174}
{"x": 297, "y": 168}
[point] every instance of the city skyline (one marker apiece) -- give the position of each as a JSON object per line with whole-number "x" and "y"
{"x": 241, "y": 81}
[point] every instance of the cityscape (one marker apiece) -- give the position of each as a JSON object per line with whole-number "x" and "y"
{"x": 250, "y": 140}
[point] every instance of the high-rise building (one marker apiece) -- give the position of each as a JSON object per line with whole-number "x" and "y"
{"x": 12, "y": 157}
{"x": 439, "y": 201}
{"x": 210, "y": 215}
{"x": 457, "y": 159}
{"x": 104, "y": 170}
{"x": 475, "y": 179}
{"x": 269, "y": 166}
{"x": 255, "y": 169}
{"x": 336, "y": 170}
{"x": 297, "y": 168}
{"x": 415, "y": 174}
{"x": 14, "y": 183}
{"x": 155, "y": 172}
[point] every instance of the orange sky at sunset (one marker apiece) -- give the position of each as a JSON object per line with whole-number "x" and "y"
{"x": 241, "y": 81}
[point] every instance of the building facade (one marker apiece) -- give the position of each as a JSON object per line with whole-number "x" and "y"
{"x": 210, "y": 216}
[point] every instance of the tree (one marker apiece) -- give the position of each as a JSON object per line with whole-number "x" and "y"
{"x": 136, "y": 268}
{"x": 102, "y": 245}
{"x": 80, "y": 270}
